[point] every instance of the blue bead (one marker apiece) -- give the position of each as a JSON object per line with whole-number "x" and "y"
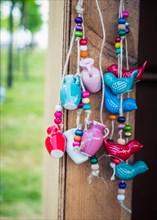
{"x": 79, "y": 132}
{"x": 121, "y": 119}
{"x": 122, "y": 185}
{"x": 86, "y": 106}
{"x": 121, "y": 21}
{"x": 118, "y": 51}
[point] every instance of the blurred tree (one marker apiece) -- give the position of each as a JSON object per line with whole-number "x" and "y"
{"x": 30, "y": 20}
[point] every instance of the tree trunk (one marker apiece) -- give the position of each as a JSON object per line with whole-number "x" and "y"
{"x": 10, "y": 49}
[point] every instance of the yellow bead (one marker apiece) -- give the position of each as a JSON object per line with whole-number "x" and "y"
{"x": 85, "y": 100}
{"x": 117, "y": 45}
{"x": 112, "y": 117}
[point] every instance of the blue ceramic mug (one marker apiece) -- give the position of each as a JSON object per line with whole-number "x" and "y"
{"x": 70, "y": 93}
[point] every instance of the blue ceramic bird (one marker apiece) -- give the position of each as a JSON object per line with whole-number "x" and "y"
{"x": 120, "y": 85}
{"x": 126, "y": 171}
{"x": 112, "y": 103}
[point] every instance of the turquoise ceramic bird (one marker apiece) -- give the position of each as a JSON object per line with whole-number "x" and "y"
{"x": 120, "y": 85}
{"x": 112, "y": 102}
{"x": 126, "y": 171}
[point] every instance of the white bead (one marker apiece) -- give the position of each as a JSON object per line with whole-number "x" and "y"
{"x": 120, "y": 197}
{"x": 95, "y": 166}
{"x": 58, "y": 108}
{"x": 83, "y": 47}
{"x": 112, "y": 165}
{"x": 85, "y": 100}
{"x": 121, "y": 27}
{"x": 121, "y": 141}
{"x": 121, "y": 191}
{"x": 95, "y": 172}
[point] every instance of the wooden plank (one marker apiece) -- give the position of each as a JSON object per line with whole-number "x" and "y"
{"x": 53, "y": 75}
{"x": 96, "y": 201}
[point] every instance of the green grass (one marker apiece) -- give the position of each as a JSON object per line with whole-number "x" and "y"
{"x": 22, "y": 140}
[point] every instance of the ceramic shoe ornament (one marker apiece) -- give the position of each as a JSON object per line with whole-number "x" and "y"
{"x": 122, "y": 152}
{"x": 120, "y": 85}
{"x": 93, "y": 137}
{"x": 127, "y": 73}
{"x": 70, "y": 93}
{"x": 55, "y": 142}
{"x": 112, "y": 102}
{"x": 73, "y": 153}
{"x": 126, "y": 171}
{"x": 90, "y": 75}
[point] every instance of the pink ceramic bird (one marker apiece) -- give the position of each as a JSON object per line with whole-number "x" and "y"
{"x": 127, "y": 73}
{"x": 120, "y": 151}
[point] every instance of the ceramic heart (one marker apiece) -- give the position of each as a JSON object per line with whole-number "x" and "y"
{"x": 75, "y": 155}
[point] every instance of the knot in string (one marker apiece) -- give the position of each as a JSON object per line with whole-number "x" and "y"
{"x": 79, "y": 8}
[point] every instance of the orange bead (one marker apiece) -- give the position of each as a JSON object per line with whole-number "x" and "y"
{"x": 77, "y": 138}
{"x": 83, "y": 54}
{"x": 112, "y": 117}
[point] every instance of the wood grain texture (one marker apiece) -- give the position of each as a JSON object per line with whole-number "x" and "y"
{"x": 96, "y": 201}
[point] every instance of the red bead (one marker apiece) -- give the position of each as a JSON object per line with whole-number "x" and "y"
{"x": 57, "y": 121}
{"x": 80, "y": 105}
{"x": 51, "y": 129}
{"x": 117, "y": 39}
{"x": 85, "y": 94}
{"x": 116, "y": 161}
{"x": 58, "y": 114}
{"x": 83, "y": 41}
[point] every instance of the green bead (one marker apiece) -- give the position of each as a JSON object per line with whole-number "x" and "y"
{"x": 118, "y": 51}
{"x": 127, "y": 128}
{"x": 93, "y": 160}
{"x": 121, "y": 32}
{"x": 78, "y": 34}
{"x": 86, "y": 106}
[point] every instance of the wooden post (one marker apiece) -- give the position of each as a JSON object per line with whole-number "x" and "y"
{"x": 79, "y": 200}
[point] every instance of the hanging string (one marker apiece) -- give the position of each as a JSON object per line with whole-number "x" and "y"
{"x": 112, "y": 129}
{"x": 100, "y": 59}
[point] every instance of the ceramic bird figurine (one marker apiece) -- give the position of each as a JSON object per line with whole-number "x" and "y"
{"x": 120, "y": 85}
{"x": 126, "y": 171}
{"x": 120, "y": 151}
{"x": 127, "y": 73}
{"x": 112, "y": 102}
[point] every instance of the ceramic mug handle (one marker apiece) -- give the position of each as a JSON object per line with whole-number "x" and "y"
{"x": 107, "y": 132}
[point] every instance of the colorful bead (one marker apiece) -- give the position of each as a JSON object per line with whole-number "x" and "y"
{"x": 85, "y": 94}
{"x": 94, "y": 160}
{"x": 117, "y": 39}
{"x": 83, "y": 54}
{"x": 95, "y": 166}
{"x": 86, "y": 106}
{"x": 76, "y": 144}
{"x": 118, "y": 51}
{"x": 85, "y": 100}
{"x": 122, "y": 185}
{"x": 121, "y": 32}
{"x": 125, "y": 14}
{"x": 126, "y": 23}
{"x": 78, "y": 34}
{"x": 80, "y": 105}
{"x": 121, "y": 141}
{"x": 79, "y": 132}
{"x": 57, "y": 121}
{"x": 112, "y": 117}
{"x": 121, "y": 126}
{"x": 79, "y": 28}
{"x": 116, "y": 161}
{"x": 117, "y": 45}
{"x": 83, "y": 41}
{"x": 127, "y": 134}
{"x": 58, "y": 114}
{"x": 58, "y": 108}
{"x": 121, "y": 119}
{"x": 78, "y": 20}
{"x": 121, "y": 21}
{"x": 120, "y": 197}
{"x": 121, "y": 26}
{"x": 127, "y": 128}
{"x": 127, "y": 30}
{"x": 121, "y": 191}
{"x": 77, "y": 138}
{"x": 83, "y": 48}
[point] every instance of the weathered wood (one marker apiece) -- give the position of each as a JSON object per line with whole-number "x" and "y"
{"x": 96, "y": 201}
